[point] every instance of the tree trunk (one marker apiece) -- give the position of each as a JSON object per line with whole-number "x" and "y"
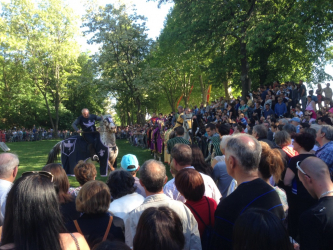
{"x": 204, "y": 90}
{"x": 245, "y": 79}
{"x": 226, "y": 86}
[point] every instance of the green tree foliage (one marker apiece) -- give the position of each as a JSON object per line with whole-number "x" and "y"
{"x": 121, "y": 59}
{"x": 44, "y": 78}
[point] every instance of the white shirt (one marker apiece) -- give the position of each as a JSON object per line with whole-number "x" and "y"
{"x": 190, "y": 225}
{"x": 122, "y": 206}
{"x": 211, "y": 190}
{"x": 5, "y": 187}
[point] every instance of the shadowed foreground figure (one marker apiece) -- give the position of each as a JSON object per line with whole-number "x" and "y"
{"x": 242, "y": 156}
{"x": 316, "y": 224}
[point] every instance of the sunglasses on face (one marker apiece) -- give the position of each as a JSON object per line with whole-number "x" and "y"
{"x": 301, "y": 170}
{"x": 40, "y": 173}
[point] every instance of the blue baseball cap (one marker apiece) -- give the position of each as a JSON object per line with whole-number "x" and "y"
{"x": 296, "y": 119}
{"x": 129, "y": 160}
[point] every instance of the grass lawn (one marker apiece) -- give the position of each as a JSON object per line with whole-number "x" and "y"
{"x": 33, "y": 156}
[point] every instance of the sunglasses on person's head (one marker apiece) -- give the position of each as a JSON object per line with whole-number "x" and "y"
{"x": 301, "y": 170}
{"x": 41, "y": 173}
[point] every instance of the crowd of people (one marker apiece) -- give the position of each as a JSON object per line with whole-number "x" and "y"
{"x": 253, "y": 179}
{"x": 35, "y": 134}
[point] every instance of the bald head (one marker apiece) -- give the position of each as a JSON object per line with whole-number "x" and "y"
{"x": 246, "y": 149}
{"x": 315, "y": 168}
{"x": 85, "y": 112}
{"x": 8, "y": 162}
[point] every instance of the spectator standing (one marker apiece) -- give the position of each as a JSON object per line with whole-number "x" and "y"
{"x": 260, "y": 229}
{"x": 66, "y": 200}
{"x": 299, "y": 199}
{"x": 159, "y": 228}
{"x": 8, "y": 170}
{"x": 96, "y": 224}
{"x": 243, "y": 155}
{"x": 123, "y": 192}
{"x": 83, "y": 172}
{"x": 191, "y": 185}
{"x": 328, "y": 94}
{"x": 325, "y": 140}
{"x": 316, "y": 224}
{"x": 182, "y": 158}
{"x": 220, "y": 174}
{"x": 130, "y": 164}
{"x": 152, "y": 178}
{"x": 198, "y": 161}
{"x": 33, "y": 219}
{"x": 302, "y": 94}
{"x": 272, "y": 165}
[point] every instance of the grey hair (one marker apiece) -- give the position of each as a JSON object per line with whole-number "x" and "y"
{"x": 328, "y": 130}
{"x": 8, "y": 162}
{"x": 152, "y": 175}
{"x": 224, "y": 141}
{"x": 261, "y": 131}
{"x": 282, "y": 138}
{"x": 316, "y": 127}
{"x": 247, "y": 155}
{"x": 283, "y": 121}
{"x": 291, "y": 129}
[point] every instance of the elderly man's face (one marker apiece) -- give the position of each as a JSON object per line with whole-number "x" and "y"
{"x": 85, "y": 113}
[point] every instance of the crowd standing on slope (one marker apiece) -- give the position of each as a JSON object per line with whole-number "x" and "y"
{"x": 247, "y": 174}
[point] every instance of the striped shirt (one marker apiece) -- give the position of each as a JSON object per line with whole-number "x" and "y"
{"x": 172, "y": 142}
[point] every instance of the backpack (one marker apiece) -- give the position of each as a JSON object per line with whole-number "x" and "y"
{"x": 207, "y": 235}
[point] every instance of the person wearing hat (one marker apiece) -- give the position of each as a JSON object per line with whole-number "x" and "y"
{"x": 296, "y": 122}
{"x": 130, "y": 164}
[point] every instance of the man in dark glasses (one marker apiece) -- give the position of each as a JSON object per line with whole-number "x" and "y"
{"x": 8, "y": 170}
{"x": 316, "y": 224}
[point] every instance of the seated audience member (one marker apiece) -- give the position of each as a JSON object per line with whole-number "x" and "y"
{"x": 8, "y": 171}
{"x": 84, "y": 172}
{"x": 111, "y": 245}
{"x": 260, "y": 229}
{"x": 152, "y": 178}
{"x": 198, "y": 161}
{"x": 299, "y": 200}
{"x": 159, "y": 228}
{"x": 220, "y": 174}
{"x": 182, "y": 158}
{"x": 272, "y": 165}
{"x": 191, "y": 185}
{"x": 260, "y": 133}
{"x": 123, "y": 192}
{"x": 130, "y": 164}
{"x": 33, "y": 219}
{"x": 96, "y": 224}
{"x": 325, "y": 140}
{"x": 242, "y": 156}
{"x": 316, "y": 224}
{"x": 61, "y": 183}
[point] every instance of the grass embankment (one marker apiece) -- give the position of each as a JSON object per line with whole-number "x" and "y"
{"x": 33, "y": 156}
